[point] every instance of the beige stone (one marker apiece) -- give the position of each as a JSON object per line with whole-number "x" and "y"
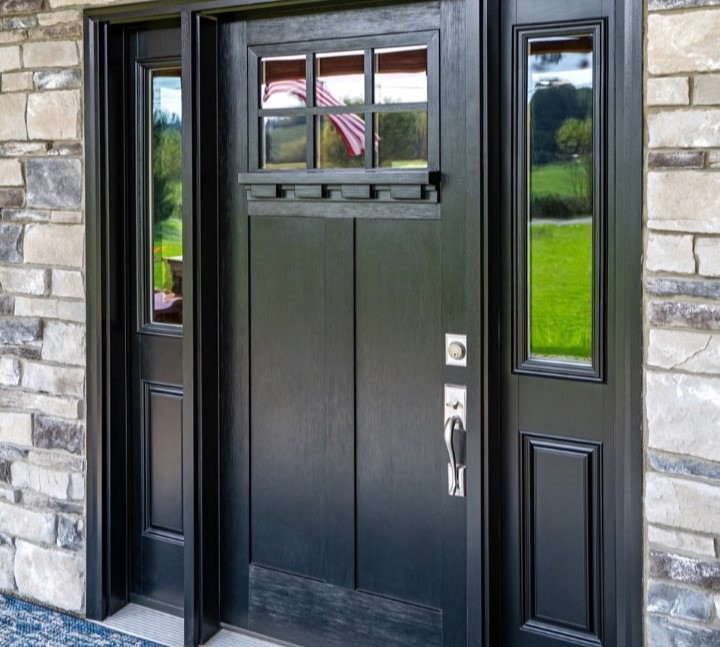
{"x": 56, "y": 577}
{"x": 77, "y": 487}
{"x": 52, "y": 483}
{"x": 50, "y": 54}
{"x": 58, "y": 17}
{"x": 27, "y": 524}
{"x": 12, "y": 117}
{"x": 706, "y": 89}
{"x": 9, "y": 372}
{"x": 694, "y": 352}
{"x": 48, "y": 244}
{"x": 9, "y": 58}
{"x": 21, "y": 280}
{"x": 12, "y": 36}
{"x": 68, "y": 283}
{"x": 7, "y": 562}
{"x": 64, "y": 343}
{"x": 668, "y": 91}
{"x": 48, "y": 378}
{"x": 668, "y": 253}
{"x": 17, "y": 81}
{"x": 683, "y": 413}
{"x": 58, "y": 4}
{"x": 707, "y": 251}
{"x": 72, "y": 310}
{"x": 10, "y": 173}
{"x": 16, "y": 428}
{"x": 684, "y": 128}
{"x": 31, "y": 307}
{"x": 683, "y": 42}
{"x": 68, "y": 217}
{"x": 682, "y": 503}
{"x": 54, "y": 115}
{"x": 48, "y": 405}
{"x": 684, "y": 200}
{"x": 684, "y": 541}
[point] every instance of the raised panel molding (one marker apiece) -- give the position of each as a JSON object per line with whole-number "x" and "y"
{"x": 561, "y": 538}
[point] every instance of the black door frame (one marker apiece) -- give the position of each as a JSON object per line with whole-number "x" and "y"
{"x": 106, "y": 422}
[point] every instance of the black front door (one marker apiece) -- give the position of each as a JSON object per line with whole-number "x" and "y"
{"x": 345, "y": 268}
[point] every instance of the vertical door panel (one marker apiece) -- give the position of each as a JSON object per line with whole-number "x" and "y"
{"x": 401, "y": 468}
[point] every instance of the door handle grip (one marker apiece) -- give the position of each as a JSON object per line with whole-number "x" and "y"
{"x": 456, "y": 473}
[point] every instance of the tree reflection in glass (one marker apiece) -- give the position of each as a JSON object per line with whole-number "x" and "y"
{"x": 166, "y": 196}
{"x": 560, "y": 197}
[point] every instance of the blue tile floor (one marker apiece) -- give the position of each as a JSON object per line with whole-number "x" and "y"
{"x": 27, "y": 625}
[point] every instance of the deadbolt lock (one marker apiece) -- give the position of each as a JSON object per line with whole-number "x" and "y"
{"x": 456, "y": 350}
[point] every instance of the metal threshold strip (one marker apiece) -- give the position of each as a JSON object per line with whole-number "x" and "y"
{"x": 167, "y": 630}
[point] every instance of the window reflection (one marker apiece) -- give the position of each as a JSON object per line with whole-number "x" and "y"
{"x": 166, "y": 196}
{"x": 401, "y": 75}
{"x": 283, "y": 82}
{"x": 402, "y": 139}
{"x": 340, "y": 141}
{"x": 340, "y": 79}
{"x": 284, "y": 142}
{"x": 560, "y": 195}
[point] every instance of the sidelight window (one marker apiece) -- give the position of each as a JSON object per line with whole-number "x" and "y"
{"x": 164, "y": 168}
{"x": 559, "y": 199}
{"x": 352, "y": 105}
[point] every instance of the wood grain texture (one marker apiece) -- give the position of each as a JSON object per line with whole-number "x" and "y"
{"x": 401, "y": 471}
{"x": 314, "y": 614}
{"x": 287, "y": 382}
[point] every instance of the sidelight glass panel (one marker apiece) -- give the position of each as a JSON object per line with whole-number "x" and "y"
{"x": 401, "y": 75}
{"x": 560, "y": 196}
{"x": 340, "y": 141}
{"x": 402, "y": 139}
{"x": 284, "y": 142}
{"x": 165, "y": 164}
{"x": 282, "y": 82}
{"x": 340, "y": 79}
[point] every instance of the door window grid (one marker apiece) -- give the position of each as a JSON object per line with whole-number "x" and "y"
{"x": 331, "y": 112}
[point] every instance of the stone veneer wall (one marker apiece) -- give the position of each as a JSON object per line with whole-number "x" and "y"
{"x": 42, "y": 307}
{"x": 682, "y": 315}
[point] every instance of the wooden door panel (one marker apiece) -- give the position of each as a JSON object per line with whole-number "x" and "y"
{"x": 401, "y": 469}
{"x": 287, "y": 357}
{"x": 560, "y": 514}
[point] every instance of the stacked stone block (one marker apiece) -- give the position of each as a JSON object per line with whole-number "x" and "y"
{"x": 682, "y": 310}
{"x": 42, "y": 307}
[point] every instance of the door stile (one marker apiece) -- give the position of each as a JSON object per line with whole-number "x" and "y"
{"x": 234, "y": 466}
{"x": 201, "y": 340}
{"x": 476, "y": 291}
{"x": 455, "y": 249}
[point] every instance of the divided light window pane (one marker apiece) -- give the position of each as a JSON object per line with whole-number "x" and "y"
{"x": 282, "y": 82}
{"x": 340, "y": 79}
{"x": 401, "y": 75}
{"x": 165, "y": 196}
{"x": 340, "y": 140}
{"x": 560, "y": 161}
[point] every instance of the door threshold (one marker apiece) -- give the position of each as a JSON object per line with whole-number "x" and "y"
{"x": 148, "y": 624}
{"x": 167, "y": 630}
